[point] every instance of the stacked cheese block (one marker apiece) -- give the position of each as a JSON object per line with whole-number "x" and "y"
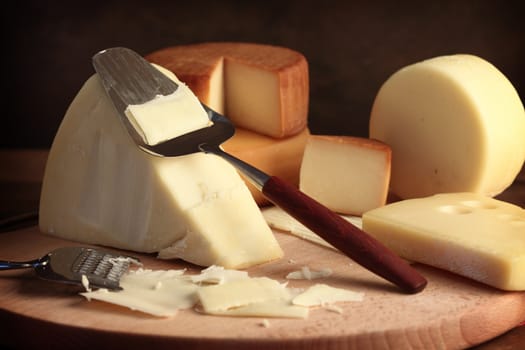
{"x": 262, "y": 89}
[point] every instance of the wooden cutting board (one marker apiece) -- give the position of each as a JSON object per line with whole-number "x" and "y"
{"x": 452, "y": 312}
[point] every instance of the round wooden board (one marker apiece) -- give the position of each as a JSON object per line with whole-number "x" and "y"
{"x": 452, "y": 312}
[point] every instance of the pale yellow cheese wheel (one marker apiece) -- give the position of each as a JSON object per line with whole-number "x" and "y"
{"x": 454, "y": 123}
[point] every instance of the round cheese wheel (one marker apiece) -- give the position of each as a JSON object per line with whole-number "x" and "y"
{"x": 454, "y": 123}
{"x": 261, "y": 88}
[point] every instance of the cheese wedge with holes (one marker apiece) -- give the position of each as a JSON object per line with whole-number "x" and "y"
{"x": 349, "y": 175}
{"x": 261, "y": 88}
{"x": 455, "y": 124}
{"x": 467, "y": 233}
{"x": 100, "y": 188}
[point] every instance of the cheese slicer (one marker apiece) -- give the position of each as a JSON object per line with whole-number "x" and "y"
{"x": 89, "y": 267}
{"x": 129, "y": 79}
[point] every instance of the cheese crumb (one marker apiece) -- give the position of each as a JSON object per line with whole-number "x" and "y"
{"x": 306, "y": 273}
{"x": 265, "y": 323}
{"x": 85, "y": 283}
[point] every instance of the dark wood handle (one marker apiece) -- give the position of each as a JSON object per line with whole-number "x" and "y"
{"x": 349, "y": 239}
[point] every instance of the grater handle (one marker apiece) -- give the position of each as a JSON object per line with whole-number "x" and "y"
{"x": 13, "y": 265}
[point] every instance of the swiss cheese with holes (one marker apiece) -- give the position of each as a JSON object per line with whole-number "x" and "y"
{"x": 467, "y": 233}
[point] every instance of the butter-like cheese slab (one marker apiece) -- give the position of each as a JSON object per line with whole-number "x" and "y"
{"x": 466, "y": 233}
{"x": 100, "y": 188}
{"x": 156, "y": 121}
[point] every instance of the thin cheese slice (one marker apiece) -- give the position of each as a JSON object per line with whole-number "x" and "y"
{"x": 162, "y": 293}
{"x": 322, "y": 294}
{"x": 241, "y": 293}
{"x": 218, "y": 275}
{"x": 470, "y": 234}
{"x": 100, "y": 188}
{"x": 159, "y": 294}
{"x": 455, "y": 124}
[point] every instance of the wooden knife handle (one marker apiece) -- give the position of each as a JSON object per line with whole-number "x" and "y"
{"x": 349, "y": 239}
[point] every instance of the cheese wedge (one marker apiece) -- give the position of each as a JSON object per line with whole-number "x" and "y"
{"x": 467, "y": 233}
{"x": 455, "y": 124}
{"x": 261, "y": 88}
{"x": 100, "y": 188}
{"x": 349, "y": 175}
{"x": 278, "y": 157}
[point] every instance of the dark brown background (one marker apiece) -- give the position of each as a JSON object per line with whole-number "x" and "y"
{"x": 352, "y": 48}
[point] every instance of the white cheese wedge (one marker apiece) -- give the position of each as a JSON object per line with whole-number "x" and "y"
{"x": 455, "y": 124}
{"x": 470, "y": 234}
{"x": 100, "y": 188}
{"x": 156, "y": 120}
{"x": 349, "y": 175}
{"x": 322, "y": 294}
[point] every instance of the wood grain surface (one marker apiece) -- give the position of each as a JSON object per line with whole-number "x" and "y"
{"x": 452, "y": 312}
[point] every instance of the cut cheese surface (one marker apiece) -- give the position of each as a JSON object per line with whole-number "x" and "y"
{"x": 156, "y": 120}
{"x": 261, "y": 88}
{"x": 455, "y": 124}
{"x": 349, "y": 175}
{"x": 466, "y": 233}
{"x": 100, "y": 188}
{"x": 278, "y": 157}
